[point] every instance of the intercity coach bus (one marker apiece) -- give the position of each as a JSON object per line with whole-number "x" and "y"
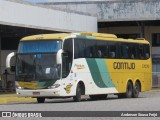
{"x": 76, "y": 64}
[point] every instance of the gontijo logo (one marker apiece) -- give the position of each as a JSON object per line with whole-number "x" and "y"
{"x": 124, "y": 65}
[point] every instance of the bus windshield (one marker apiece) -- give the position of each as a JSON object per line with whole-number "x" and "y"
{"x": 36, "y": 60}
{"x": 37, "y": 67}
{"x": 39, "y": 46}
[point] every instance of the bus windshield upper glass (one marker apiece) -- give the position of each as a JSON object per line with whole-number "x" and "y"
{"x": 33, "y": 67}
{"x": 36, "y": 60}
{"x": 39, "y": 46}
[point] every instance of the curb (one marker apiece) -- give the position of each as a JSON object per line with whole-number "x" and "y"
{"x": 156, "y": 90}
{"x": 10, "y": 98}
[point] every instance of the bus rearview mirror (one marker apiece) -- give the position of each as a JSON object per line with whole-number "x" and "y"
{"x": 8, "y": 59}
{"x": 59, "y": 56}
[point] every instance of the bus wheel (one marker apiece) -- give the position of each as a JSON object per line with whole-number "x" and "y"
{"x": 77, "y": 98}
{"x": 129, "y": 90}
{"x": 136, "y": 90}
{"x": 40, "y": 100}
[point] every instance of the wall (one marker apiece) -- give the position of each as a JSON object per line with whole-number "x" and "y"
{"x": 32, "y": 16}
{"x": 117, "y": 10}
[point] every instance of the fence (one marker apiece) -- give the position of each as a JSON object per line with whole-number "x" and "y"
{"x": 155, "y": 79}
{"x": 7, "y": 83}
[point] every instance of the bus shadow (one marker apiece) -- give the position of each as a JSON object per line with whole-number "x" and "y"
{"x": 70, "y": 100}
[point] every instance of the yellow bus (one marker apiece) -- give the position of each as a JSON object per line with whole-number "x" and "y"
{"x": 76, "y": 64}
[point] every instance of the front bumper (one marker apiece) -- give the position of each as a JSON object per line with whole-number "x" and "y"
{"x": 41, "y": 93}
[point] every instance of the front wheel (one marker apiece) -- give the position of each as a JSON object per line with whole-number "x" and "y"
{"x": 77, "y": 98}
{"x": 40, "y": 100}
{"x": 136, "y": 90}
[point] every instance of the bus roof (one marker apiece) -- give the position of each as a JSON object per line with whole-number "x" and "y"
{"x": 89, "y": 35}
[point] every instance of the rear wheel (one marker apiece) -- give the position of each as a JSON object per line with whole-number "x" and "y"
{"x": 40, "y": 100}
{"x": 129, "y": 90}
{"x": 77, "y": 98}
{"x": 136, "y": 90}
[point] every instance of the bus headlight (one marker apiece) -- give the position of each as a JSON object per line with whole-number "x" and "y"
{"x": 54, "y": 86}
{"x": 18, "y": 86}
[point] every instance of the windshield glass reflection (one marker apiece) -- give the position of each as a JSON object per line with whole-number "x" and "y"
{"x": 37, "y": 66}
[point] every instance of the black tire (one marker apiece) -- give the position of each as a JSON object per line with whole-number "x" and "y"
{"x": 77, "y": 98}
{"x": 129, "y": 90}
{"x": 40, "y": 100}
{"x": 136, "y": 90}
{"x": 98, "y": 97}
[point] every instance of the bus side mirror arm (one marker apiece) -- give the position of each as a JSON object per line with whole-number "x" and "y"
{"x": 59, "y": 56}
{"x": 8, "y": 59}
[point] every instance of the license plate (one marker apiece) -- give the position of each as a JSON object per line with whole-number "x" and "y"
{"x": 36, "y": 93}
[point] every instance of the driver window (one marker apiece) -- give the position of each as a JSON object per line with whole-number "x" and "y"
{"x": 67, "y": 57}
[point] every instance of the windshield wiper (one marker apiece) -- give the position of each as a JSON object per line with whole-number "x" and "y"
{"x": 26, "y": 75}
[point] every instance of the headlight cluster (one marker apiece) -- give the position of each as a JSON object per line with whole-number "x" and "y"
{"x": 54, "y": 86}
{"x": 18, "y": 86}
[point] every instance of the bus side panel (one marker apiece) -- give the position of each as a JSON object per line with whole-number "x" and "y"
{"x": 94, "y": 74}
{"x": 147, "y": 69}
{"x": 122, "y": 70}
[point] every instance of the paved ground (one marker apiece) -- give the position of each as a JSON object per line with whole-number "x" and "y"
{"x": 148, "y": 101}
{"x": 7, "y": 98}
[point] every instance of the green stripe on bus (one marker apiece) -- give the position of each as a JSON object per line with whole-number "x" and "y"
{"x": 99, "y": 72}
{"x": 103, "y": 69}
{"x": 46, "y": 83}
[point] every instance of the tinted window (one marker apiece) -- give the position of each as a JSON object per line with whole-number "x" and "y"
{"x": 68, "y": 47}
{"x": 90, "y": 51}
{"x": 124, "y": 50}
{"x": 146, "y": 51}
{"x": 132, "y": 51}
{"x": 79, "y": 48}
{"x": 140, "y": 51}
{"x": 67, "y": 57}
{"x": 102, "y": 49}
{"x": 112, "y": 49}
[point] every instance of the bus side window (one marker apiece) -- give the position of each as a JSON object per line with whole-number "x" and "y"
{"x": 140, "y": 51}
{"x": 90, "y": 51}
{"x": 79, "y": 47}
{"x": 68, "y": 49}
{"x": 112, "y": 54}
{"x": 146, "y": 51}
{"x": 124, "y": 50}
{"x": 101, "y": 49}
{"x": 112, "y": 49}
{"x": 132, "y": 51}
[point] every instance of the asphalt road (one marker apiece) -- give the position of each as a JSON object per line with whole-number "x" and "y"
{"x": 148, "y": 101}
